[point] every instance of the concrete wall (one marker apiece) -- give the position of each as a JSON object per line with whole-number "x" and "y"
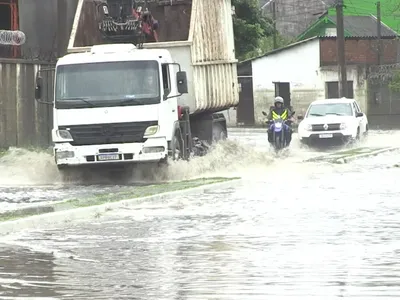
{"x": 355, "y": 73}
{"x": 230, "y": 116}
{"x": 300, "y": 66}
{"x": 23, "y": 121}
{"x": 294, "y": 16}
{"x": 384, "y": 113}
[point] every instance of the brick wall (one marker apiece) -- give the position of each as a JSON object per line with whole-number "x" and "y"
{"x": 359, "y": 51}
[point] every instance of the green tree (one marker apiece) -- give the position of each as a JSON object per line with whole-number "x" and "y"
{"x": 249, "y": 26}
{"x": 253, "y": 31}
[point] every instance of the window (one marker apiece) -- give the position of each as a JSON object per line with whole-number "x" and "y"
{"x": 339, "y": 109}
{"x": 5, "y": 16}
{"x": 108, "y": 84}
{"x": 332, "y": 89}
{"x": 166, "y": 79}
{"x": 330, "y": 32}
{"x": 356, "y": 108}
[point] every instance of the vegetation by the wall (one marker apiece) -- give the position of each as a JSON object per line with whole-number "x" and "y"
{"x": 394, "y": 84}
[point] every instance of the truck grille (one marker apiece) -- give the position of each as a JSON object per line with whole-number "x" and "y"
{"x": 320, "y": 127}
{"x": 114, "y": 133}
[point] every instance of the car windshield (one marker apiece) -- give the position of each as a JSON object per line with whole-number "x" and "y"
{"x": 339, "y": 109}
{"x": 107, "y": 84}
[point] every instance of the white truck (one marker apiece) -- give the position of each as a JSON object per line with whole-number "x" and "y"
{"x": 119, "y": 101}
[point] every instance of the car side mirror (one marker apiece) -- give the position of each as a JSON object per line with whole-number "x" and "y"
{"x": 300, "y": 118}
{"x": 359, "y": 115}
{"x": 181, "y": 80}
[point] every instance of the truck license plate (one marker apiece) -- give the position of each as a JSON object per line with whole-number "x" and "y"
{"x": 326, "y": 136}
{"x": 104, "y": 157}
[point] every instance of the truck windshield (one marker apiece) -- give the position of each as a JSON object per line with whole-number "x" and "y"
{"x": 339, "y": 109}
{"x": 107, "y": 84}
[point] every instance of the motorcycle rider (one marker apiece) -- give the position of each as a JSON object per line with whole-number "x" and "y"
{"x": 279, "y": 111}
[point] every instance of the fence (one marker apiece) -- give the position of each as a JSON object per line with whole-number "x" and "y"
{"x": 383, "y": 102}
{"x": 23, "y": 121}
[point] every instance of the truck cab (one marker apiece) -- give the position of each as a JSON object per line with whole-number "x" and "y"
{"x": 115, "y": 104}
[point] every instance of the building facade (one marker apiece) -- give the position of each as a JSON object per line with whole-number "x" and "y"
{"x": 294, "y": 16}
{"x": 306, "y": 71}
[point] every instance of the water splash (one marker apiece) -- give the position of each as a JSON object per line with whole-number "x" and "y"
{"x": 24, "y": 167}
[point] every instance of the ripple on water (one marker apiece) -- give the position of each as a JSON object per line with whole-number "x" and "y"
{"x": 309, "y": 232}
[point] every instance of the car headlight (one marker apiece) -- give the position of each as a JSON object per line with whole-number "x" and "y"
{"x": 308, "y": 127}
{"x": 343, "y": 126}
{"x": 151, "y": 130}
{"x": 64, "y": 134}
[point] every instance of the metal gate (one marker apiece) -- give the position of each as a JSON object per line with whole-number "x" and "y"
{"x": 245, "y": 109}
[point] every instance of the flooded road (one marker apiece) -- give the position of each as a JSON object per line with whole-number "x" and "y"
{"x": 295, "y": 229}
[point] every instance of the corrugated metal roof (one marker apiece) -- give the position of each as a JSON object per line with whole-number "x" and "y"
{"x": 364, "y": 26}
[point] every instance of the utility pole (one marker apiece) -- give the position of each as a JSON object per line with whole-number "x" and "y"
{"x": 274, "y": 24}
{"x": 341, "y": 49}
{"x": 378, "y": 16}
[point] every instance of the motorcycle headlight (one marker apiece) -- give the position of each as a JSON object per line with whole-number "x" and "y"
{"x": 343, "y": 126}
{"x": 151, "y": 130}
{"x": 64, "y": 134}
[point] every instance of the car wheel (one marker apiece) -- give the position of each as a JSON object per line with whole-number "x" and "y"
{"x": 357, "y": 138}
{"x": 366, "y": 131}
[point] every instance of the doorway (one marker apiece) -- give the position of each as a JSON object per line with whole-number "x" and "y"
{"x": 282, "y": 89}
{"x": 245, "y": 109}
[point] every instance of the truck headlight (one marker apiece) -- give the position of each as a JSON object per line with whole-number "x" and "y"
{"x": 65, "y": 135}
{"x": 64, "y": 154}
{"x": 343, "y": 126}
{"x": 151, "y": 130}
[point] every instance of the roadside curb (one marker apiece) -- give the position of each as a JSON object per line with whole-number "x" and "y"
{"x": 363, "y": 155}
{"x": 52, "y": 219}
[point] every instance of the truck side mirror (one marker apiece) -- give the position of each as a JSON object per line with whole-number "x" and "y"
{"x": 181, "y": 80}
{"x": 38, "y": 88}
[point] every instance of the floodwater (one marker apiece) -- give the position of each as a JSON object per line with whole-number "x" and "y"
{"x": 289, "y": 230}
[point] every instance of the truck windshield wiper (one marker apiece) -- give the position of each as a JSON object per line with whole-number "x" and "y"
{"x": 83, "y": 99}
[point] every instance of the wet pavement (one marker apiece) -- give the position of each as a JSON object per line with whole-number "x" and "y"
{"x": 290, "y": 229}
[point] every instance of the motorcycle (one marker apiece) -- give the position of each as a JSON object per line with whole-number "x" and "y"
{"x": 279, "y": 127}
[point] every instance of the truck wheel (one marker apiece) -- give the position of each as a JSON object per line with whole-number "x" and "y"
{"x": 67, "y": 174}
{"x": 219, "y": 133}
{"x": 366, "y": 131}
{"x": 176, "y": 148}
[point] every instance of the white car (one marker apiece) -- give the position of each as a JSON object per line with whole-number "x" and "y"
{"x": 332, "y": 119}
